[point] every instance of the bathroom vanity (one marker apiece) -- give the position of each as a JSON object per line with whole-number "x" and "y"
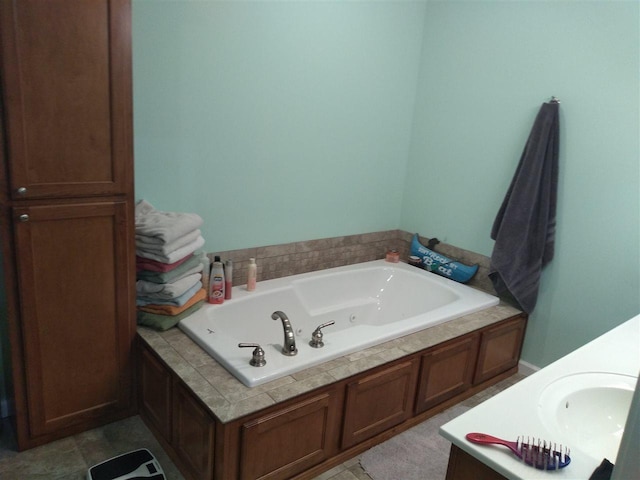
{"x": 298, "y": 426}
{"x": 581, "y": 401}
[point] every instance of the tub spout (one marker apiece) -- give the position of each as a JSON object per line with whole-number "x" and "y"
{"x": 289, "y": 345}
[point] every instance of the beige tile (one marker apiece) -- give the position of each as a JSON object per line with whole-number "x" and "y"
{"x": 359, "y": 472}
{"x": 357, "y": 366}
{"x": 329, "y": 474}
{"x": 302, "y": 386}
{"x": 132, "y": 434}
{"x": 59, "y": 459}
{"x": 260, "y": 389}
{"x": 344, "y": 475}
{"x": 95, "y": 447}
{"x": 275, "y": 250}
{"x": 326, "y": 366}
{"x": 245, "y": 407}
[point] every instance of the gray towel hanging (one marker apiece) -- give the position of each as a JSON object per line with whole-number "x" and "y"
{"x": 524, "y": 228}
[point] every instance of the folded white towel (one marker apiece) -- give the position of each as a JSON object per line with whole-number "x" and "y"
{"x": 144, "y": 242}
{"x": 166, "y": 291}
{"x": 174, "y": 256}
{"x": 165, "y": 226}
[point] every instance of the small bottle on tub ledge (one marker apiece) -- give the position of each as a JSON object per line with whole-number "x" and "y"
{"x": 252, "y": 275}
{"x": 392, "y": 256}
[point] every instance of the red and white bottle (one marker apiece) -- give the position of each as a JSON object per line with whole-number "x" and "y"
{"x": 216, "y": 284}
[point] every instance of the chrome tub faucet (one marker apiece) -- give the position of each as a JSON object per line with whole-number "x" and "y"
{"x": 289, "y": 345}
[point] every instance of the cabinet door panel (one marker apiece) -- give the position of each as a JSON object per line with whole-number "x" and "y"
{"x": 76, "y": 306}
{"x": 500, "y": 349}
{"x": 446, "y": 372}
{"x": 194, "y": 431}
{"x": 379, "y": 401}
{"x": 155, "y": 392}
{"x": 67, "y": 90}
{"x": 289, "y": 441}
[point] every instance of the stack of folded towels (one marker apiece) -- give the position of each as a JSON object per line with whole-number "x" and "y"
{"x": 168, "y": 272}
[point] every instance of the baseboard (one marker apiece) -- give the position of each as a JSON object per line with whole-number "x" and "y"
{"x": 527, "y": 368}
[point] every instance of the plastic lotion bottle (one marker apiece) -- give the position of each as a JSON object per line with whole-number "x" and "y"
{"x": 216, "y": 283}
{"x": 252, "y": 273}
{"x": 206, "y": 269}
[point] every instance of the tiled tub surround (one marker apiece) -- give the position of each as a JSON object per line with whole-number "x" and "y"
{"x": 213, "y": 426}
{"x": 228, "y": 401}
{"x": 286, "y": 259}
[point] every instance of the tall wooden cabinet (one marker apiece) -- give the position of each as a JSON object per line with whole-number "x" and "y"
{"x": 66, "y": 212}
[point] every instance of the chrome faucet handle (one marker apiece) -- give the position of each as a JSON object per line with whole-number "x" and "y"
{"x": 258, "y": 354}
{"x": 316, "y": 336}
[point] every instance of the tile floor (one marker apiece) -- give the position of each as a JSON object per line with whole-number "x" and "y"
{"x": 70, "y": 457}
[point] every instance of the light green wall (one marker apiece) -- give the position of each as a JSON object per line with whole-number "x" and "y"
{"x": 276, "y": 121}
{"x": 282, "y": 121}
{"x": 486, "y": 68}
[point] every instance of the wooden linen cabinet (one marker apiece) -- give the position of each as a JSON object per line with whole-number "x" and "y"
{"x": 66, "y": 212}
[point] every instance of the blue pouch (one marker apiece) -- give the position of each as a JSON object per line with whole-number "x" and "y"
{"x": 437, "y": 263}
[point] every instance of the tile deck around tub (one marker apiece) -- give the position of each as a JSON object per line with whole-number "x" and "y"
{"x": 228, "y": 399}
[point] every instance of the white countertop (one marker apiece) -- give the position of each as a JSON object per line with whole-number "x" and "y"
{"x": 515, "y": 411}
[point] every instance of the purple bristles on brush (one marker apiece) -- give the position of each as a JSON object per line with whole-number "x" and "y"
{"x": 538, "y": 454}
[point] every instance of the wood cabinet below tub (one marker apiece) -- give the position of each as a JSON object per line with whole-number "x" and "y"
{"x": 307, "y": 434}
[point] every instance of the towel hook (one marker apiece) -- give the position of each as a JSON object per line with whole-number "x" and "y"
{"x": 555, "y": 100}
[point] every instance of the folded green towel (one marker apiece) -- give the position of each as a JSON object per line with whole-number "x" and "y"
{"x": 164, "y": 322}
{"x": 182, "y": 270}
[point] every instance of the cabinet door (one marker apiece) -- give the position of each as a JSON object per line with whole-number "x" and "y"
{"x": 379, "y": 401}
{"x": 446, "y": 372}
{"x": 500, "y": 348}
{"x": 66, "y": 71}
{"x": 193, "y": 434}
{"x": 76, "y": 302}
{"x": 284, "y": 443}
{"x": 155, "y": 392}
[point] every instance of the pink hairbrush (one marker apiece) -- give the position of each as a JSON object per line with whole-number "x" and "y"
{"x": 538, "y": 454}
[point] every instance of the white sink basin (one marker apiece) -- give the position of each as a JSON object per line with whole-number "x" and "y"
{"x": 588, "y": 411}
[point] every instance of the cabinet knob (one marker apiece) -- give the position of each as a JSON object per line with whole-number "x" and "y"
{"x": 24, "y": 217}
{"x": 22, "y": 191}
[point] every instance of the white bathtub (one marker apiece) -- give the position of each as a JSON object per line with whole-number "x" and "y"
{"x": 370, "y": 303}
